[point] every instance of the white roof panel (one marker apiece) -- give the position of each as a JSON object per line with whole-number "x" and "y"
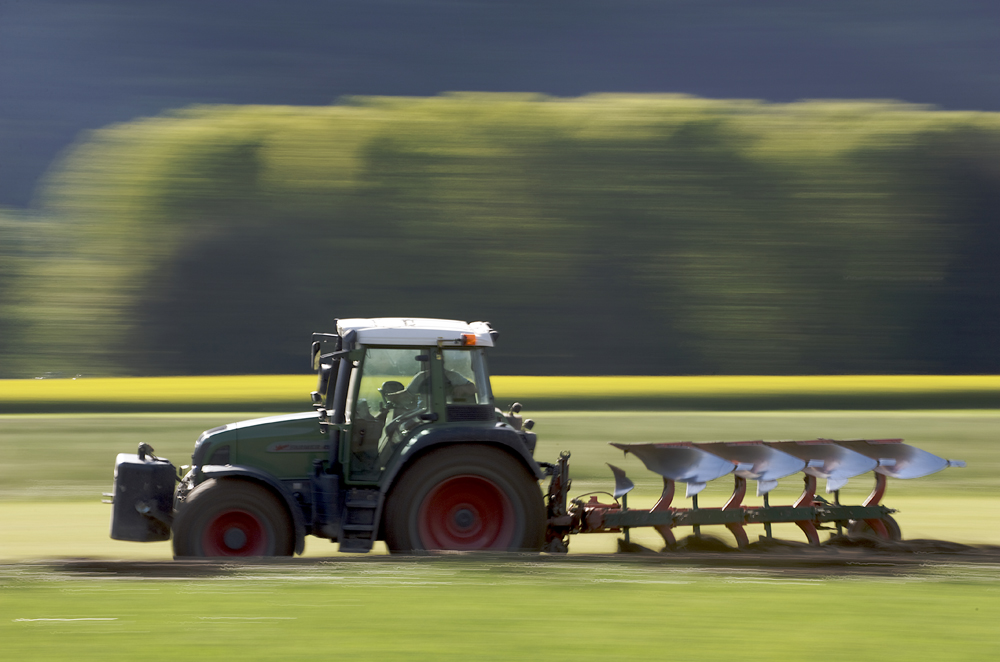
{"x": 416, "y": 331}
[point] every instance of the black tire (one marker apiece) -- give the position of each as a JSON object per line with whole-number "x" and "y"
{"x": 232, "y": 517}
{"x": 465, "y": 498}
{"x": 861, "y": 527}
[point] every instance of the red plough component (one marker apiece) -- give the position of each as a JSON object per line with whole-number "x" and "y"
{"x": 766, "y": 462}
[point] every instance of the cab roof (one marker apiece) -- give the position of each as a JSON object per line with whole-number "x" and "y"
{"x": 417, "y": 331}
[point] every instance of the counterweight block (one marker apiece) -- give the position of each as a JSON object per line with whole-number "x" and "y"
{"x": 142, "y": 509}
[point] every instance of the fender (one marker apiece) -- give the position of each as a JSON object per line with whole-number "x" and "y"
{"x": 269, "y": 481}
{"x": 501, "y": 435}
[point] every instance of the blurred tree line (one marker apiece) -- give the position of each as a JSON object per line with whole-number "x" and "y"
{"x": 602, "y": 235}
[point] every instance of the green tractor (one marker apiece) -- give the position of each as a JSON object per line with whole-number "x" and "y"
{"x": 404, "y": 444}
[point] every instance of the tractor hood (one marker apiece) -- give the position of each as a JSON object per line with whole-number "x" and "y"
{"x": 218, "y": 445}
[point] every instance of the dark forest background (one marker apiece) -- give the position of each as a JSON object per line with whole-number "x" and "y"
{"x": 630, "y": 233}
{"x": 71, "y": 65}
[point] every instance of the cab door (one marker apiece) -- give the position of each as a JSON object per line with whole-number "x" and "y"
{"x": 391, "y": 396}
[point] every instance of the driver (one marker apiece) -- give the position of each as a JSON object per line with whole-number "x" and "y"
{"x": 458, "y": 389}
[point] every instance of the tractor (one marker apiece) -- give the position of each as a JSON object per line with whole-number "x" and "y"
{"x": 404, "y": 444}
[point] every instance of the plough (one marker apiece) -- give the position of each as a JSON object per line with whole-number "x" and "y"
{"x": 696, "y": 464}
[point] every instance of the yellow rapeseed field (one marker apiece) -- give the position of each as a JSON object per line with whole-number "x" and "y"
{"x": 222, "y": 390}
{"x": 293, "y": 390}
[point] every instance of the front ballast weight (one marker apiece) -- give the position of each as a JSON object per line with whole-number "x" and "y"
{"x": 142, "y": 497}
{"x": 696, "y": 464}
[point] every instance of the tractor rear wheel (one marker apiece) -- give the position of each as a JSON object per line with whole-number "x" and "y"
{"x": 862, "y": 527}
{"x": 232, "y": 517}
{"x": 465, "y": 498}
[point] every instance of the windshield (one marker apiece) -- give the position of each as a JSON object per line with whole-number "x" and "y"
{"x": 466, "y": 380}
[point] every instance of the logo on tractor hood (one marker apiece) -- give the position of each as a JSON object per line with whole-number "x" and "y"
{"x": 298, "y": 447}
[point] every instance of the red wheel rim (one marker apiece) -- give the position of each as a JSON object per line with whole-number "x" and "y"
{"x": 235, "y": 533}
{"x": 466, "y": 513}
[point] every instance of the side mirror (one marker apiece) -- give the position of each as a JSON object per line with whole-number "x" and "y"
{"x": 329, "y": 341}
{"x": 326, "y": 372}
{"x": 317, "y": 349}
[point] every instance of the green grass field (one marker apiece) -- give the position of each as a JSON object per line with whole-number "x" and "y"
{"x": 474, "y": 609}
{"x": 54, "y": 467}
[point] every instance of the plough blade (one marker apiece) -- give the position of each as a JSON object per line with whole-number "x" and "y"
{"x": 898, "y": 460}
{"x": 827, "y": 459}
{"x": 622, "y": 483}
{"x": 767, "y": 464}
{"x": 683, "y": 463}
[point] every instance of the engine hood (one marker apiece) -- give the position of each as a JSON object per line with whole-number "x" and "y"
{"x": 283, "y": 426}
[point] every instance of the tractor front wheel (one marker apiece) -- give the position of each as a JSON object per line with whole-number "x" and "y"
{"x": 465, "y": 498}
{"x": 232, "y": 517}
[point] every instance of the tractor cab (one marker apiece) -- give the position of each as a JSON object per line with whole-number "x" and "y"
{"x": 396, "y": 379}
